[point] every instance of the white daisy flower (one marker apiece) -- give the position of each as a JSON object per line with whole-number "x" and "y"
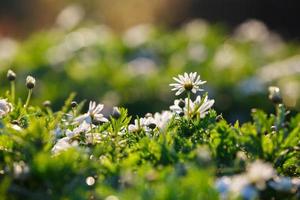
{"x": 63, "y": 144}
{"x": 139, "y": 124}
{"x": 187, "y": 82}
{"x": 94, "y": 113}
{"x": 198, "y": 107}
{"x": 163, "y": 119}
{"x": 84, "y": 127}
{"x": 5, "y": 107}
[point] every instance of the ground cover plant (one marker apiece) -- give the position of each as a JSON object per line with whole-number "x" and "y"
{"x": 186, "y": 151}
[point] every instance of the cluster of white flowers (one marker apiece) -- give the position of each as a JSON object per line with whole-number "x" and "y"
{"x": 190, "y": 83}
{"x": 84, "y": 124}
{"x": 199, "y": 107}
{"x": 150, "y": 122}
{"x": 258, "y": 176}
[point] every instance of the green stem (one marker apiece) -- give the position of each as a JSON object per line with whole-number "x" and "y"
{"x": 92, "y": 134}
{"x": 28, "y": 98}
{"x": 188, "y": 105}
{"x": 12, "y": 87}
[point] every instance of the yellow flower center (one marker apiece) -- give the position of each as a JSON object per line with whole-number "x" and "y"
{"x": 188, "y": 86}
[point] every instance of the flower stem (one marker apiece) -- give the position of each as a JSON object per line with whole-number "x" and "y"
{"x": 12, "y": 91}
{"x": 28, "y": 98}
{"x": 188, "y": 105}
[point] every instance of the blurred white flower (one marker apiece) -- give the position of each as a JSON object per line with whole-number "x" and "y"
{"x": 196, "y": 29}
{"x": 238, "y": 183}
{"x": 252, "y": 30}
{"x": 137, "y": 35}
{"x": 8, "y": 48}
{"x": 84, "y": 127}
{"x": 280, "y": 69}
{"x": 259, "y": 172}
{"x": 5, "y": 107}
{"x": 70, "y": 17}
{"x": 94, "y": 113}
{"x": 187, "y": 82}
{"x": 20, "y": 169}
{"x": 226, "y": 56}
{"x": 63, "y": 144}
{"x": 197, "y": 52}
{"x": 141, "y": 66}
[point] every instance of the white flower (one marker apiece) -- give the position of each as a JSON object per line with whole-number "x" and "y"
{"x": 20, "y": 169}
{"x": 187, "y": 82}
{"x": 260, "y": 172}
{"x": 5, "y": 107}
{"x": 162, "y": 119}
{"x": 84, "y": 127}
{"x": 198, "y": 107}
{"x": 63, "y": 144}
{"x": 139, "y": 124}
{"x": 92, "y": 114}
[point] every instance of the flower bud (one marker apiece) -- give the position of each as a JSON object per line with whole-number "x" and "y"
{"x": 74, "y": 104}
{"x": 47, "y": 103}
{"x": 116, "y": 113}
{"x": 11, "y": 75}
{"x": 274, "y": 95}
{"x": 30, "y": 82}
{"x": 181, "y": 103}
{"x": 181, "y": 114}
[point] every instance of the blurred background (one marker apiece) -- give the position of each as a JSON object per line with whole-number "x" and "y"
{"x": 125, "y": 52}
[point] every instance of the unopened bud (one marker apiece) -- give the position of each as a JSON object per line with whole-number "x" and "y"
{"x": 74, "y": 104}
{"x": 274, "y": 95}
{"x": 11, "y": 75}
{"x": 181, "y": 114}
{"x": 181, "y": 103}
{"x": 47, "y": 103}
{"x": 116, "y": 113}
{"x": 30, "y": 82}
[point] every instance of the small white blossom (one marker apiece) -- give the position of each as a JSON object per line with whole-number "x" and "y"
{"x": 162, "y": 119}
{"x": 84, "y": 127}
{"x": 187, "y": 82}
{"x": 63, "y": 144}
{"x": 5, "y": 107}
{"x": 20, "y": 169}
{"x": 259, "y": 172}
{"x": 139, "y": 124}
{"x": 94, "y": 113}
{"x": 198, "y": 107}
